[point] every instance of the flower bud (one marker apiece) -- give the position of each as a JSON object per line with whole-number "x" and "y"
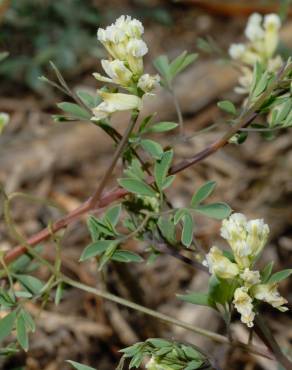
{"x": 220, "y": 265}
{"x": 147, "y": 83}
{"x": 250, "y": 277}
{"x": 236, "y": 51}
{"x": 115, "y": 102}
{"x": 272, "y": 23}
{"x": 246, "y": 238}
{"x": 269, "y": 293}
{"x": 243, "y": 304}
{"x": 254, "y": 30}
{"x": 117, "y": 71}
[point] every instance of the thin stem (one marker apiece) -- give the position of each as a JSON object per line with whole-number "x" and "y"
{"x": 178, "y": 111}
{"x": 170, "y": 320}
{"x": 118, "y": 193}
{"x": 120, "y": 148}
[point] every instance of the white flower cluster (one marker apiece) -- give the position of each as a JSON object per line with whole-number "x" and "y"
{"x": 263, "y": 38}
{"x": 123, "y": 41}
{"x": 247, "y": 240}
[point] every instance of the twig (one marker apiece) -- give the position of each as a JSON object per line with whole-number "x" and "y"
{"x": 118, "y": 193}
{"x": 120, "y": 148}
{"x": 170, "y": 320}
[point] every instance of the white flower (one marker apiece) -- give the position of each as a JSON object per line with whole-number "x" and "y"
{"x": 250, "y": 277}
{"x": 117, "y": 71}
{"x": 131, "y": 27}
{"x": 254, "y": 30}
{"x": 269, "y": 293}
{"x": 236, "y": 51}
{"x": 246, "y": 238}
{"x": 4, "y": 119}
{"x": 275, "y": 64}
{"x": 243, "y": 304}
{"x": 245, "y": 81}
{"x": 137, "y": 48}
{"x": 115, "y": 102}
{"x": 220, "y": 265}
{"x": 122, "y": 40}
{"x": 257, "y": 236}
{"x": 272, "y": 21}
{"x": 148, "y": 83}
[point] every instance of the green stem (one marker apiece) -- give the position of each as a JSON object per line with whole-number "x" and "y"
{"x": 170, "y": 320}
{"x": 178, "y": 111}
{"x": 120, "y": 148}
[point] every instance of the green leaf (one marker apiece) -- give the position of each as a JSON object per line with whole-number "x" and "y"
{"x": 162, "y": 65}
{"x": 161, "y": 168}
{"x": 4, "y": 119}
{"x": 89, "y": 100}
{"x": 167, "y": 229}
{"x": 132, "y": 350}
{"x": 221, "y": 291}
{"x": 168, "y": 181}
{"x": 227, "y": 106}
{"x": 194, "y": 364}
{"x": 179, "y": 215}
{"x": 137, "y": 186}
{"x": 279, "y": 276}
{"x": 161, "y": 127}
{"x": 203, "y": 193}
{"x": 135, "y": 171}
{"x": 181, "y": 62}
{"x": 187, "y": 231}
{"x": 152, "y": 147}
{"x": 107, "y": 255}
{"x": 6, "y": 325}
{"x": 158, "y": 342}
{"x": 31, "y": 283}
{"x": 191, "y": 352}
{"x": 21, "y": 332}
{"x": 266, "y": 272}
{"x": 126, "y": 256}
{"x": 93, "y": 228}
{"x": 75, "y": 110}
{"x": 229, "y": 255}
{"x": 113, "y": 214}
{"x": 202, "y": 299}
{"x": 59, "y": 293}
{"x": 214, "y": 210}
{"x": 28, "y": 320}
{"x": 144, "y": 124}
{"x": 95, "y": 249}
{"x": 79, "y": 366}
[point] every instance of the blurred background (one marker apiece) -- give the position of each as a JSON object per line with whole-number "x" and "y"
{"x": 64, "y": 162}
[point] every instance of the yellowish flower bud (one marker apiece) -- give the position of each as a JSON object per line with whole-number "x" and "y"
{"x": 246, "y": 238}
{"x": 115, "y": 102}
{"x": 117, "y": 71}
{"x": 250, "y": 277}
{"x": 272, "y": 23}
{"x": 269, "y": 293}
{"x": 243, "y": 304}
{"x": 220, "y": 265}
{"x": 236, "y": 51}
{"x": 254, "y": 30}
{"x": 147, "y": 83}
